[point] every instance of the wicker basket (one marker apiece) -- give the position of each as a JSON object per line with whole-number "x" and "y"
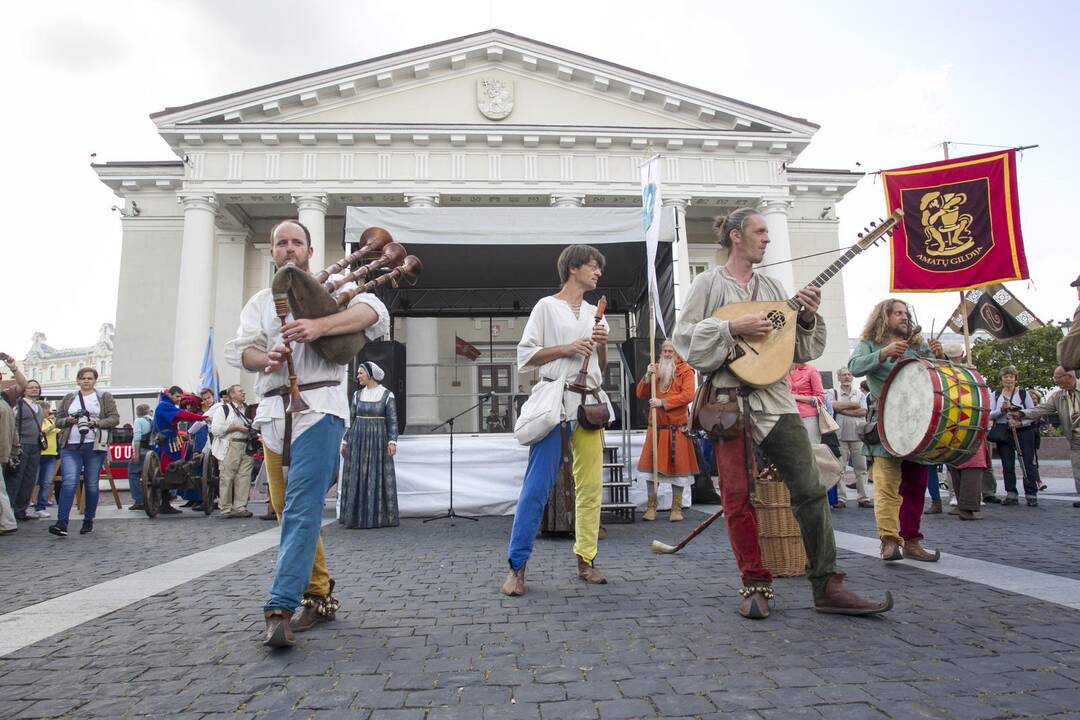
{"x": 782, "y": 549}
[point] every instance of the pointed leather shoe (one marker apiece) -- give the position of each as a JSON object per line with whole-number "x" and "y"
{"x": 315, "y": 609}
{"x": 840, "y": 601}
{"x": 913, "y": 550}
{"x": 278, "y": 633}
{"x": 590, "y": 573}
{"x": 755, "y": 606}
{"x": 514, "y": 585}
{"x": 890, "y": 550}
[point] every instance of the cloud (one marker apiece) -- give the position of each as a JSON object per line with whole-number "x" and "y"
{"x": 77, "y": 45}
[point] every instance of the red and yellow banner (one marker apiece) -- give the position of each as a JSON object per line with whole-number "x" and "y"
{"x": 961, "y": 226}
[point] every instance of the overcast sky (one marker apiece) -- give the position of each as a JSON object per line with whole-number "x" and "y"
{"x": 887, "y": 84}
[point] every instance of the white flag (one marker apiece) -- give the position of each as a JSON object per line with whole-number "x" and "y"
{"x": 650, "y": 207}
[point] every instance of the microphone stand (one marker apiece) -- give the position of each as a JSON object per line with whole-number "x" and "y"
{"x": 450, "y": 514}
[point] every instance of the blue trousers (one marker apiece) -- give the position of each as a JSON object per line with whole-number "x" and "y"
{"x": 44, "y": 480}
{"x": 540, "y": 476}
{"x": 314, "y": 466}
{"x": 933, "y": 484}
{"x": 76, "y": 460}
{"x": 135, "y": 478}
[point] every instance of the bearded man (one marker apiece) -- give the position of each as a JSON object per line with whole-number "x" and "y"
{"x": 769, "y": 413}
{"x": 676, "y": 460}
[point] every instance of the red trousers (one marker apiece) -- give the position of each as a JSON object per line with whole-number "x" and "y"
{"x": 739, "y": 512}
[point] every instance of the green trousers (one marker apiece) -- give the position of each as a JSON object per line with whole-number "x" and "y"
{"x": 788, "y": 447}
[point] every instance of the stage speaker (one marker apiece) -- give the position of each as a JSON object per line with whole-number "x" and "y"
{"x": 635, "y": 352}
{"x": 390, "y": 356}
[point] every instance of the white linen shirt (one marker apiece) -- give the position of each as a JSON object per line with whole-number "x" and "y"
{"x": 552, "y": 323}
{"x": 260, "y": 328}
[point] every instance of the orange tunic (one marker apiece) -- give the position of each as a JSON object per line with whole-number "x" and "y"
{"x": 678, "y": 459}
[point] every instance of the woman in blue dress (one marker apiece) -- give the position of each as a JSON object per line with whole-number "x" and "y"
{"x": 369, "y": 488}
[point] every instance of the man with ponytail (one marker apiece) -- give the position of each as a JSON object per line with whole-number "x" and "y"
{"x": 770, "y": 418}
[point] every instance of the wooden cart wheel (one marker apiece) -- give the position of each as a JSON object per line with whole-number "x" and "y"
{"x": 207, "y": 486}
{"x": 151, "y": 482}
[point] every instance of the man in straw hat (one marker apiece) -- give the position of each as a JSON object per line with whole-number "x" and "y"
{"x": 770, "y": 417}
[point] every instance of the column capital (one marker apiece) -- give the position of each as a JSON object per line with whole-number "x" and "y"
{"x": 774, "y": 205}
{"x": 676, "y": 200}
{"x": 198, "y": 201}
{"x": 567, "y": 200}
{"x": 422, "y": 199}
{"x": 233, "y": 237}
{"x": 310, "y": 201}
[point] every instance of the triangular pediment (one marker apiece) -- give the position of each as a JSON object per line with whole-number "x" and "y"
{"x": 437, "y": 85}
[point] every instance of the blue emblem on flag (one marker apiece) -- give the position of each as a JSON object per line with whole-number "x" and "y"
{"x": 648, "y": 204}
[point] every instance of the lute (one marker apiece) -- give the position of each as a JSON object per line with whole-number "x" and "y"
{"x": 762, "y": 360}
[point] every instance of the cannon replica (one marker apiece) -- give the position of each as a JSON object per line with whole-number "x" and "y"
{"x": 193, "y": 471}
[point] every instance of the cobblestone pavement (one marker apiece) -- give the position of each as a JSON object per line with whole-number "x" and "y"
{"x": 424, "y": 633}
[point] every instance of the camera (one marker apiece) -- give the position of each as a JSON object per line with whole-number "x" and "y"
{"x": 83, "y": 422}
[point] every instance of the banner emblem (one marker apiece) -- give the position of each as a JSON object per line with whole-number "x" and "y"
{"x": 961, "y": 226}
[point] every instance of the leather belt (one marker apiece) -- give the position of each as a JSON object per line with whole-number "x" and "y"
{"x": 286, "y": 443}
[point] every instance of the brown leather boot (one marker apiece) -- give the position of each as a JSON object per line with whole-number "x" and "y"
{"x": 650, "y": 512}
{"x": 890, "y": 549}
{"x": 278, "y": 633}
{"x": 589, "y": 572}
{"x": 315, "y": 609}
{"x": 514, "y": 585}
{"x": 914, "y": 550}
{"x": 934, "y": 509}
{"x": 755, "y": 604}
{"x": 841, "y": 601}
{"x": 676, "y": 504}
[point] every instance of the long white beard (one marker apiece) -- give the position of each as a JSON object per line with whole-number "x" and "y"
{"x": 666, "y": 374}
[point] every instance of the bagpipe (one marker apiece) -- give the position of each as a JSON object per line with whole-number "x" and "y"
{"x": 379, "y": 262}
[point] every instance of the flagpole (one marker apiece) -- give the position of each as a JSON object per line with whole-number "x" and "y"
{"x": 963, "y": 302}
{"x": 652, "y": 376}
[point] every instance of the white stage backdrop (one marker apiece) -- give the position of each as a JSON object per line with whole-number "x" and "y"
{"x": 505, "y": 225}
{"x": 488, "y": 470}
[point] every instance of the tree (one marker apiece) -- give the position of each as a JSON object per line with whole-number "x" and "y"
{"x": 1033, "y": 354}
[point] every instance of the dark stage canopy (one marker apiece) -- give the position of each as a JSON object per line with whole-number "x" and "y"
{"x": 498, "y": 261}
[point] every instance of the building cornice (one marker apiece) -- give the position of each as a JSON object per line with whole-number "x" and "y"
{"x": 492, "y": 48}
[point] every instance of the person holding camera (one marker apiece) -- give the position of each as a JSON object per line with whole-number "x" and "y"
{"x": 233, "y": 438}
{"x": 9, "y": 451}
{"x": 85, "y": 418}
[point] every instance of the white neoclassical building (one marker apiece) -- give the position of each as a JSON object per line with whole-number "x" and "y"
{"x": 486, "y": 120}
{"x": 55, "y": 368}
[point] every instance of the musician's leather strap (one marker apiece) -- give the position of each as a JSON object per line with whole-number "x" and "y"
{"x": 282, "y": 391}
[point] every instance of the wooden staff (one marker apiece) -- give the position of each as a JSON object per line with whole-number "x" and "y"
{"x": 664, "y": 549}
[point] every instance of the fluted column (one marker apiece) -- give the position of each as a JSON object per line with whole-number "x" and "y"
{"x": 195, "y": 289}
{"x": 422, "y": 351}
{"x": 311, "y": 211}
{"x": 567, "y": 200}
{"x": 680, "y": 250}
{"x": 775, "y": 213}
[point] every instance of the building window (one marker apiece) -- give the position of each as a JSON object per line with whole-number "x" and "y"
{"x": 52, "y": 373}
{"x": 696, "y": 268}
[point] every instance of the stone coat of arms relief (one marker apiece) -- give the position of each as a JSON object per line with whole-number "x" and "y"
{"x": 495, "y": 98}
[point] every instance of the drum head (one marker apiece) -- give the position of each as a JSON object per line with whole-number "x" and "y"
{"x": 907, "y": 408}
